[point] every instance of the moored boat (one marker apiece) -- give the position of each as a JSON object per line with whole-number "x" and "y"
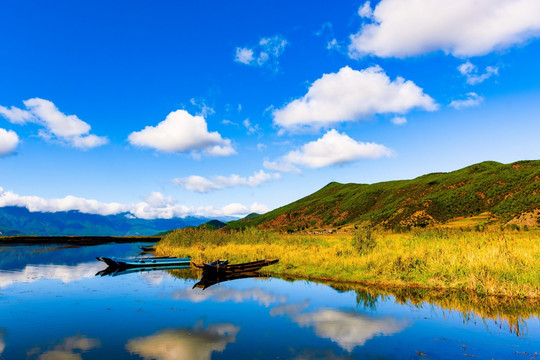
{"x": 147, "y": 248}
{"x": 225, "y": 267}
{"x": 143, "y": 262}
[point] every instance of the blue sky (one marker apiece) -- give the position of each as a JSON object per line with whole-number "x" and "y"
{"x": 223, "y": 108}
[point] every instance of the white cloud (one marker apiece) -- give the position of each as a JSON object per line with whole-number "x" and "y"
{"x": 473, "y": 99}
{"x": 333, "y": 148}
{"x": 365, "y": 10}
{"x": 155, "y": 206}
{"x": 182, "y": 132}
{"x": 16, "y": 115}
{"x": 251, "y": 128}
{"x": 244, "y": 56}
{"x": 460, "y": 27}
{"x": 68, "y": 129}
{"x": 265, "y": 53}
{"x": 350, "y": 95}
{"x": 280, "y": 165}
{"x": 399, "y": 120}
{"x": 348, "y": 329}
{"x": 203, "y": 185}
{"x": 204, "y": 110}
{"x": 8, "y": 142}
{"x": 470, "y": 72}
{"x": 36, "y": 203}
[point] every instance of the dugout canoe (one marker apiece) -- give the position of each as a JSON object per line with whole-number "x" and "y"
{"x": 225, "y": 267}
{"x": 124, "y": 263}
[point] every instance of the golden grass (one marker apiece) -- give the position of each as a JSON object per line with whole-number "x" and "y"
{"x": 487, "y": 263}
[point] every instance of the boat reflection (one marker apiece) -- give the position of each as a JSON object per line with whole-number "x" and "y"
{"x": 208, "y": 279}
{"x": 185, "y": 343}
{"x": 116, "y": 271}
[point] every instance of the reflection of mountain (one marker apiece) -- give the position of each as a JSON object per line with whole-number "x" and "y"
{"x": 16, "y": 257}
{"x": 197, "y": 343}
{"x": 70, "y": 348}
{"x": 64, "y": 273}
{"x": 348, "y": 329}
{"x": 222, "y": 294}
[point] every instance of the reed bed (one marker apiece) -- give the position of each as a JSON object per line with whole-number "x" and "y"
{"x": 491, "y": 262}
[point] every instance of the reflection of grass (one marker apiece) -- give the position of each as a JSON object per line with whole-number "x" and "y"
{"x": 513, "y": 311}
{"x": 487, "y": 263}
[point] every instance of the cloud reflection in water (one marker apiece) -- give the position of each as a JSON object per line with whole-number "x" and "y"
{"x": 69, "y": 349}
{"x": 348, "y": 329}
{"x": 222, "y": 294}
{"x": 65, "y": 273}
{"x": 2, "y": 343}
{"x": 198, "y": 343}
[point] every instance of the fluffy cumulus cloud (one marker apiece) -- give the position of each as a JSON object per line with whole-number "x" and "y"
{"x": 349, "y": 95}
{"x": 203, "y": 185}
{"x": 154, "y": 206}
{"x": 472, "y": 75}
{"x": 182, "y": 132}
{"x": 8, "y": 142}
{"x": 397, "y": 28}
{"x": 471, "y": 99}
{"x": 331, "y": 149}
{"x": 57, "y": 126}
{"x": 265, "y": 53}
{"x": 36, "y": 203}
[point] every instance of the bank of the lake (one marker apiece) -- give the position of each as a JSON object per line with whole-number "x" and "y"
{"x": 491, "y": 262}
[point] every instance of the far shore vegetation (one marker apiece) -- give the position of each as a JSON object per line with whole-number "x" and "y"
{"x": 484, "y": 261}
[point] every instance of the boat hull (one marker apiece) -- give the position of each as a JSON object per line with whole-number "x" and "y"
{"x": 125, "y": 263}
{"x": 235, "y": 268}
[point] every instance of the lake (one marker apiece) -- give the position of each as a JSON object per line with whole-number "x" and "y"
{"x": 54, "y": 306}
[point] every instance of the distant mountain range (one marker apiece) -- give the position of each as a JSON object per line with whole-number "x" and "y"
{"x": 20, "y": 221}
{"x": 501, "y": 193}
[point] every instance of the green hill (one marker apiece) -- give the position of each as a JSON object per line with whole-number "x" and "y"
{"x": 212, "y": 225}
{"x": 501, "y": 192}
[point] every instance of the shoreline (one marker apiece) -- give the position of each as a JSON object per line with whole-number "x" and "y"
{"x": 501, "y": 264}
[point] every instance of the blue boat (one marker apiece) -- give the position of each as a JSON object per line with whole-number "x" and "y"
{"x": 124, "y": 263}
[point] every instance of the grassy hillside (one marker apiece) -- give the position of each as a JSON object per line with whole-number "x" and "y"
{"x": 499, "y": 192}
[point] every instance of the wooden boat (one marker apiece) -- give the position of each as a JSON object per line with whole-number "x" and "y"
{"x": 124, "y": 263}
{"x": 224, "y": 267}
{"x": 116, "y": 271}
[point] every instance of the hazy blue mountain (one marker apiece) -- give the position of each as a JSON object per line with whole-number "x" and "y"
{"x": 20, "y": 221}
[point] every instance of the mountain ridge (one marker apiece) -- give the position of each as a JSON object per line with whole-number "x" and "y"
{"x": 506, "y": 193}
{"x": 20, "y": 221}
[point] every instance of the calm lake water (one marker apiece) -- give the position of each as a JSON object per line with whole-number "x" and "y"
{"x": 53, "y": 306}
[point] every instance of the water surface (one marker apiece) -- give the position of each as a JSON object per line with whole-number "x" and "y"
{"x": 53, "y": 306}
